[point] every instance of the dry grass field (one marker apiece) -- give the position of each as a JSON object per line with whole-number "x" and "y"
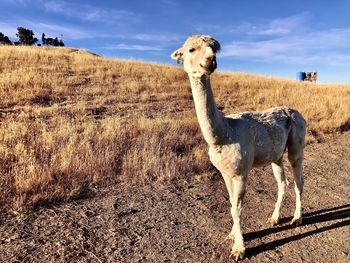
{"x": 70, "y": 120}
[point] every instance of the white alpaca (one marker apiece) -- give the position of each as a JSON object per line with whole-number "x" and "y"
{"x": 239, "y": 142}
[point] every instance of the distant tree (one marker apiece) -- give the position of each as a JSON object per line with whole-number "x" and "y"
{"x": 61, "y": 42}
{"x": 48, "y": 41}
{"x": 43, "y": 39}
{"x": 4, "y": 40}
{"x": 26, "y": 36}
{"x": 55, "y": 42}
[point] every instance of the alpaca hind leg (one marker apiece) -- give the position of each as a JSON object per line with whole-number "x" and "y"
{"x": 298, "y": 186}
{"x": 278, "y": 172}
{"x": 239, "y": 185}
{"x": 296, "y": 144}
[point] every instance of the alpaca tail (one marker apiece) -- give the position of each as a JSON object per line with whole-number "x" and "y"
{"x": 296, "y": 137}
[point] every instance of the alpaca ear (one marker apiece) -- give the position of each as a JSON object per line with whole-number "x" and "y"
{"x": 177, "y": 54}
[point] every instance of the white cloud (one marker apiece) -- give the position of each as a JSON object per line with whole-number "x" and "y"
{"x": 133, "y": 47}
{"x": 89, "y": 13}
{"x": 160, "y": 37}
{"x": 8, "y": 29}
{"x": 169, "y": 2}
{"x": 16, "y": 2}
{"x": 280, "y": 26}
{"x": 56, "y": 30}
{"x": 337, "y": 59}
{"x": 55, "y": 6}
{"x": 262, "y": 27}
{"x": 200, "y": 28}
{"x": 291, "y": 40}
{"x": 50, "y": 29}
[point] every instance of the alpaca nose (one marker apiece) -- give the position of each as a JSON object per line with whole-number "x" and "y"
{"x": 208, "y": 53}
{"x": 208, "y": 59}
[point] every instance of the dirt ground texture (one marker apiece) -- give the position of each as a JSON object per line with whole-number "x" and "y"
{"x": 187, "y": 221}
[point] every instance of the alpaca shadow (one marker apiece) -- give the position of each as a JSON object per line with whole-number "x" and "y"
{"x": 321, "y": 216}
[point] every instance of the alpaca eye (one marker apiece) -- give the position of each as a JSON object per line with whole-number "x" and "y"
{"x": 192, "y": 50}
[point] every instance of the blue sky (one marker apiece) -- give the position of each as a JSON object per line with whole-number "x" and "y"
{"x": 272, "y": 37}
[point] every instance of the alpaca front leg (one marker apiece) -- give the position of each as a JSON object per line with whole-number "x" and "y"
{"x": 229, "y": 186}
{"x": 278, "y": 172}
{"x": 239, "y": 184}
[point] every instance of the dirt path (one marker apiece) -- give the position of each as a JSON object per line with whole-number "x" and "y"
{"x": 187, "y": 221}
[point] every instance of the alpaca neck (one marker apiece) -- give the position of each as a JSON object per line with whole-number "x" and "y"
{"x": 210, "y": 119}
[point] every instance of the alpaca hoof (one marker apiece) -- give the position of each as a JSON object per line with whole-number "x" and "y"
{"x": 296, "y": 221}
{"x": 272, "y": 221}
{"x": 237, "y": 253}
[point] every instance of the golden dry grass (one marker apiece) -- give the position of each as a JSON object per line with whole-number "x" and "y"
{"x": 70, "y": 120}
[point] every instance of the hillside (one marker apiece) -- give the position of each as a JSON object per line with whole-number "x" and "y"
{"x": 71, "y": 121}
{"x": 120, "y": 141}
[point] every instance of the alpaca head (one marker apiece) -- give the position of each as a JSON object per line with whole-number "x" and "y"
{"x": 198, "y": 55}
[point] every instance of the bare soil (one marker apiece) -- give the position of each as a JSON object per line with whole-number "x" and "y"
{"x": 187, "y": 221}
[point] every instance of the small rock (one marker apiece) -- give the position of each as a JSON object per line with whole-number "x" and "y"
{"x": 11, "y": 238}
{"x": 174, "y": 222}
